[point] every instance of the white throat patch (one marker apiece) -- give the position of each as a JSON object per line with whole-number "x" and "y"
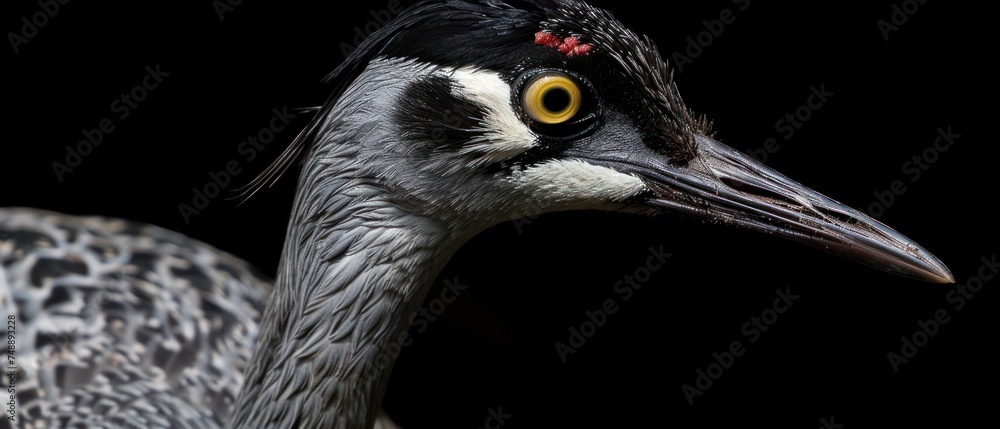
{"x": 571, "y": 183}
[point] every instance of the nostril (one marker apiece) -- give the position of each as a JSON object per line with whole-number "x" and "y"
{"x": 843, "y": 218}
{"x": 747, "y": 188}
{"x": 829, "y": 214}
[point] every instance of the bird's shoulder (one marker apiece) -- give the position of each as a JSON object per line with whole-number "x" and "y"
{"x": 120, "y": 323}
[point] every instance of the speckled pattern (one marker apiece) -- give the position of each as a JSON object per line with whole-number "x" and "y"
{"x": 122, "y": 324}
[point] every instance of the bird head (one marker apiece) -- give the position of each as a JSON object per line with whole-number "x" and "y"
{"x": 472, "y": 113}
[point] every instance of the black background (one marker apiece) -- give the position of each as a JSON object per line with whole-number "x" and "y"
{"x": 493, "y": 347}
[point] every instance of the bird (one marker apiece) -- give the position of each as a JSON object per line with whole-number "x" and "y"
{"x": 454, "y": 117}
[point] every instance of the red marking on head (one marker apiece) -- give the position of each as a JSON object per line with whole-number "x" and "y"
{"x": 569, "y": 46}
{"x": 581, "y": 50}
{"x": 546, "y": 39}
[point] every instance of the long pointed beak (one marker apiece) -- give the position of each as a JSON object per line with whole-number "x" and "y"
{"x": 726, "y": 185}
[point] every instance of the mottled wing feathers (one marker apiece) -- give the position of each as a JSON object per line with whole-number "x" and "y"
{"x": 121, "y": 324}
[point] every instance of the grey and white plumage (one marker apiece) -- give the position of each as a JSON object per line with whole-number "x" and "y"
{"x": 429, "y": 144}
{"x": 123, "y": 324}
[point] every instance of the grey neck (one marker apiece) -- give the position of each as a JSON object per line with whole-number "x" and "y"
{"x": 357, "y": 261}
{"x": 354, "y": 268}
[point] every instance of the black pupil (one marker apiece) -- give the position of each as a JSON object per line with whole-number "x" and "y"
{"x": 556, "y": 100}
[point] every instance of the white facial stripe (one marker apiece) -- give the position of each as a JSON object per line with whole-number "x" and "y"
{"x": 506, "y": 135}
{"x": 574, "y": 182}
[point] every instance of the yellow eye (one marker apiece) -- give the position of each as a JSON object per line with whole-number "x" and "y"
{"x": 552, "y": 98}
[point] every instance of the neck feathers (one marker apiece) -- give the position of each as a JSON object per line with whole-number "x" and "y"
{"x": 355, "y": 266}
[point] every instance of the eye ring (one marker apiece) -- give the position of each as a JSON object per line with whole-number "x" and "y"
{"x": 552, "y": 98}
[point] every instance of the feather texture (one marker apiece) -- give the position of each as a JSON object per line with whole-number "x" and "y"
{"x": 121, "y": 324}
